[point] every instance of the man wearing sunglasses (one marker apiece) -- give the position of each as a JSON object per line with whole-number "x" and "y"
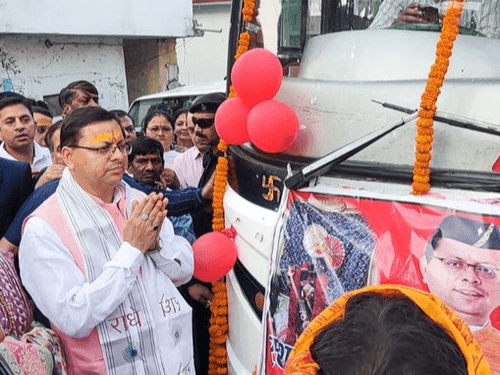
{"x": 189, "y": 165}
{"x": 461, "y": 265}
{"x": 194, "y": 168}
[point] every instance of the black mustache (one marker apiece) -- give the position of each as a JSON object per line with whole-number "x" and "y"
{"x": 201, "y": 135}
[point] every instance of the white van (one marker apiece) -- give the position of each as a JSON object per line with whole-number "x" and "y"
{"x": 172, "y": 99}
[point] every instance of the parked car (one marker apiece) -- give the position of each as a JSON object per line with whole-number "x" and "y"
{"x": 172, "y": 100}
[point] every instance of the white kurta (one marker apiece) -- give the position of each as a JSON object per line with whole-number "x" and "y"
{"x": 59, "y": 288}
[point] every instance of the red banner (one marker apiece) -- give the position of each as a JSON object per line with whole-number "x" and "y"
{"x": 334, "y": 244}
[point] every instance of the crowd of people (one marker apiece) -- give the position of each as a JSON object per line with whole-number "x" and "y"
{"x": 97, "y": 280}
{"x": 83, "y": 209}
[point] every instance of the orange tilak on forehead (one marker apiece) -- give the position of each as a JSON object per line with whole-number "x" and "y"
{"x": 44, "y": 121}
{"x": 113, "y": 136}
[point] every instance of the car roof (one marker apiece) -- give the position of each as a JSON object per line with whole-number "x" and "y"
{"x": 188, "y": 90}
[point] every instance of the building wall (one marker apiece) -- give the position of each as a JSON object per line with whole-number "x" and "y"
{"x": 204, "y": 59}
{"x": 122, "y": 18}
{"x": 151, "y": 66}
{"x": 39, "y": 66}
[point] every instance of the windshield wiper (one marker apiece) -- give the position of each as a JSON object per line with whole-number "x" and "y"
{"x": 451, "y": 119}
{"x": 301, "y": 178}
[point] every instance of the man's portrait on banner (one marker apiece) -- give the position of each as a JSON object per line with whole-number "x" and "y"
{"x": 461, "y": 265}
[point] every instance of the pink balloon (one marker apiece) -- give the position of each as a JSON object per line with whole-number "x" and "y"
{"x": 231, "y": 121}
{"x": 257, "y": 76}
{"x": 214, "y": 256}
{"x": 272, "y": 126}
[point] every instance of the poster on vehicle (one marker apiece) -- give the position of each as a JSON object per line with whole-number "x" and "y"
{"x": 333, "y": 243}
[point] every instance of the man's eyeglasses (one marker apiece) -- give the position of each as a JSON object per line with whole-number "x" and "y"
{"x": 458, "y": 266}
{"x": 203, "y": 123}
{"x": 108, "y": 149}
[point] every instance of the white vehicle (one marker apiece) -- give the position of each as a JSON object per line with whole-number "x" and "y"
{"x": 346, "y": 81}
{"x": 172, "y": 99}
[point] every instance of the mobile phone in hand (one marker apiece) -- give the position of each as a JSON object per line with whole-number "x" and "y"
{"x": 429, "y": 14}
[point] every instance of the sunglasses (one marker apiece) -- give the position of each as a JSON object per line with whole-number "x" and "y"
{"x": 203, "y": 123}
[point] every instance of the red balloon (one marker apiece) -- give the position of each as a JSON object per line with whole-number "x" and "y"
{"x": 272, "y": 126}
{"x": 214, "y": 256}
{"x": 231, "y": 121}
{"x": 257, "y": 76}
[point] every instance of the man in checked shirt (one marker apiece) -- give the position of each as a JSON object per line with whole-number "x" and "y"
{"x": 481, "y": 17}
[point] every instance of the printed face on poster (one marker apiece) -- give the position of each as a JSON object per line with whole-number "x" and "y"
{"x": 334, "y": 244}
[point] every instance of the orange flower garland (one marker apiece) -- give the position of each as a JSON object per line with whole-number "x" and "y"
{"x": 248, "y": 10}
{"x": 425, "y": 131}
{"x": 217, "y": 361}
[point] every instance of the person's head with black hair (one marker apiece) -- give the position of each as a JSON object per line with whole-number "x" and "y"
{"x": 53, "y": 142}
{"x": 42, "y": 105}
{"x": 17, "y": 126}
{"x": 159, "y": 125}
{"x": 461, "y": 265}
{"x": 43, "y": 120}
{"x": 127, "y": 123}
{"x": 145, "y": 160}
{"x": 78, "y": 94}
{"x": 183, "y": 128}
{"x": 387, "y": 329}
{"x": 386, "y": 335}
{"x": 93, "y": 148}
{"x": 203, "y": 110}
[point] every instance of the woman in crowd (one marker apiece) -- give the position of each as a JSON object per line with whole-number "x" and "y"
{"x": 26, "y": 346}
{"x": 159, "y": 125}
{"x": 183, "y": 130}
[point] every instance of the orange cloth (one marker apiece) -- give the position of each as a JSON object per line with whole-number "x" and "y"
{"x": 489, "y": 341}
{"x": 300, "y": 361}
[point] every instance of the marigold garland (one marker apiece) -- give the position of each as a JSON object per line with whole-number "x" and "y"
{"x": 425, "y": 131}
{"x": 248, "y": 10}
{"x": 217, "y": 361}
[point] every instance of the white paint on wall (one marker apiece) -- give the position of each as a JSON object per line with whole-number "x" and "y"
{"x": 43, "y": 65}
{"x": 124, "y": 18}
{"x": 204, "y": 59}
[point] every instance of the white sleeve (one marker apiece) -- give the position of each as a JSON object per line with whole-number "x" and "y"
{"x": 175, "y": 258}
{"x": 58, "y": 286}
{"x": 388, "y": 13}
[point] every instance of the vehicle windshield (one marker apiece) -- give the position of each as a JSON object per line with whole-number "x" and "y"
{"x": 354, "y": 66}
{"x": 299, "y": 20}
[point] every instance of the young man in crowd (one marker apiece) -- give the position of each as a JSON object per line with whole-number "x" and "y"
{"x": 18, "y": 132}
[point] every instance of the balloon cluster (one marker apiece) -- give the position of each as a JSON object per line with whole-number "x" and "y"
{"x": 254, "y": 115}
